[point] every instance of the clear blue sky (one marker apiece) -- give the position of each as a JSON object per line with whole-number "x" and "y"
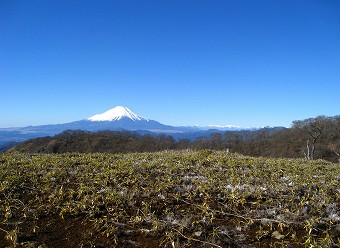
{"x": 180, "y": 62}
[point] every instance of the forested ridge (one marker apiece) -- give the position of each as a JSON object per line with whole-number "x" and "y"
{"x": 314, "y": 138}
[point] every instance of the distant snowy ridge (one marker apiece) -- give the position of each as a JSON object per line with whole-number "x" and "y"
{"x": 224, "y": 126}
{"x": 219, "y": 127}
{"x": 116, "y": 114}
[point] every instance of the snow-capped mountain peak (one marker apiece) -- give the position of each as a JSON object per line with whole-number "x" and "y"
{"x": 116, "y": 114}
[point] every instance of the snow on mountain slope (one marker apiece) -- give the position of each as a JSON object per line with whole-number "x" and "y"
{"x": 116, "y": 114}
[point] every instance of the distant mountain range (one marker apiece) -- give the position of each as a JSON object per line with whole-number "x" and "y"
{"x": 118, "y": 118}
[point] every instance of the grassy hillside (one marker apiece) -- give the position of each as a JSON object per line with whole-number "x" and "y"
{"x": 167, "y": 199}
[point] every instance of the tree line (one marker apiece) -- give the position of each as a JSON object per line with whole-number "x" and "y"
{"x": 313, "y": 138}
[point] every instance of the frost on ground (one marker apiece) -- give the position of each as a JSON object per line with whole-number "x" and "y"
{"x": 167, "y": 199}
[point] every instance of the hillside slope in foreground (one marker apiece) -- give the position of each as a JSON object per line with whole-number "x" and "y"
{"x": 167, "y": 199}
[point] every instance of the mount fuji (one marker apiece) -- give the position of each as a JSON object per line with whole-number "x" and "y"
{"x": 116, "y": 119}
{"x": 116, "y": 114}
{"x": 122, "y": 118}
